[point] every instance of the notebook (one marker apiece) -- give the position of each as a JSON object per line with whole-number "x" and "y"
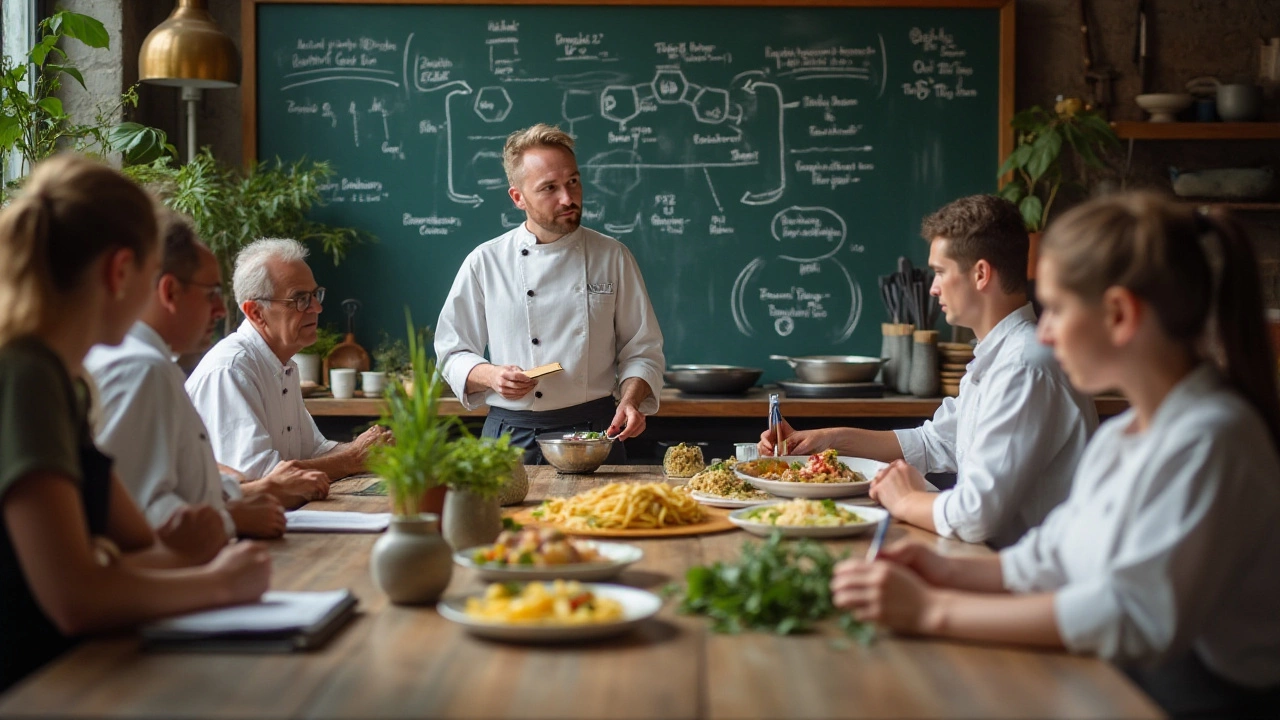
{"x": 335, "y": 521}
{"x": 281, "y": 622}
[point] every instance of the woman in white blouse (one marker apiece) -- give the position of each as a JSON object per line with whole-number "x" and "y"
{"x": 1163, "y": 556}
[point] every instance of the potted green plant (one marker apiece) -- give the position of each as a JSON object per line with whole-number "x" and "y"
{"x": 412, "y": 563}
{"x": 231, "y": 209}
{"x": 476, "y": 472}
{"x": 1036, "y": 161}
{"x": 33, "y": 122}
{"x": 308, "y": 358}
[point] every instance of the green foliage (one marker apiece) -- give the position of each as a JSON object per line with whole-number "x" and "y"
{"x": 1036, "y": 161}
{"x": 326, "y": 340}
{"x": 480, "y": 465}
{"x": 774, "y": 586}
{"x": 391, "y": 355}
{"x": 231, "y": 209}
{"x": 33, "y": 122}
{"x": 416, "y": 462}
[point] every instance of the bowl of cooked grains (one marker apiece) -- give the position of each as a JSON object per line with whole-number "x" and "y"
{"x": 581, "y": 452}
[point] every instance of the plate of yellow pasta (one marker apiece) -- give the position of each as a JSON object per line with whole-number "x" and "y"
{"x": 652, "y": 509}
{"x": 559, "y": 611}
{"x": 802, "y": 517}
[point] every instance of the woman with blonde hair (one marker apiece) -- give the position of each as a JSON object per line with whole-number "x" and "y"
{"x": 1162, "y": 558}
{"x": 79, "y": 254}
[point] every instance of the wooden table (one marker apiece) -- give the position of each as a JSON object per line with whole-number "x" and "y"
{"x": 752, "y": 404}
{"x": 397, "y": 662}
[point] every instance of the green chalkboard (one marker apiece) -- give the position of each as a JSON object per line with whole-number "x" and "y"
{"x": 764, "y": 164}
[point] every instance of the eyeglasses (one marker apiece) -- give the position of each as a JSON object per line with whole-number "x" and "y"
{"x": 213, "y": 291}
{"x": 300, "y": 301}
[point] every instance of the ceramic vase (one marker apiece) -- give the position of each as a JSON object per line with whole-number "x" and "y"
{"x": 411, "y": 562}
{"x": 924, "y": 364}
{"x": 517, "y": 487}
{"x": 470, "y": 520}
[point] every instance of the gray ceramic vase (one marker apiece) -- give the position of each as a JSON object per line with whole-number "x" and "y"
{"x": 470, "y": 520}
{"x": 411, "y": 562}
{"x": 514, "y": 492}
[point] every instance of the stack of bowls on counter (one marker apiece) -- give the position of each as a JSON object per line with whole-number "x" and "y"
{"x": 955, "y": 359}
{"x": 833, "y": 376}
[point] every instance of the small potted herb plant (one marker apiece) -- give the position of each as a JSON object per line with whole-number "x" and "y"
{"x": 412, "y": 563}
{"x": 309, "y": 358}
{"x": 477, "y": 470}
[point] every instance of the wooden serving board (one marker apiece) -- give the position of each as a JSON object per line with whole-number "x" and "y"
{"x": 717, "y": 521}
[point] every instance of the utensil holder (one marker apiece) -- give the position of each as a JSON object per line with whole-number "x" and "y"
{"x": 896, "y": 372}
{"x": 924, "y": 364}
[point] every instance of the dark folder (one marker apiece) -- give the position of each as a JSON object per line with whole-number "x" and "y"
{"x": 281, "y": 622}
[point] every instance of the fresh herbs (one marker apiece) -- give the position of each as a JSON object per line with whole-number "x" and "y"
{"x": 774, "y": 586}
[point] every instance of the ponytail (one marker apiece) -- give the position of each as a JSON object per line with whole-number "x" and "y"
{"x": 24, "y": 287}
{"x": 1239, "y": 334}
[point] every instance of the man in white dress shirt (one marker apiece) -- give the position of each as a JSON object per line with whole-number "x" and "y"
{"x": 246, "y": 387}
{"x": 148, "y": 424}
{"x": 1018, "y": 428}
{"x": 551, "y": 291}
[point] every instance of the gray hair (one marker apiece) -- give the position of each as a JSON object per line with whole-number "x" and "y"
{"x": 251, "y": 281}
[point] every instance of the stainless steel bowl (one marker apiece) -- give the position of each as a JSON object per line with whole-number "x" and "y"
{"x": 834, "y": 368}
{"x": 712, "y": 379}
{"x": 573, "y": 456}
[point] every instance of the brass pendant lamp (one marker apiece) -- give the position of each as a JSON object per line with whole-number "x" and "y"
{"x": 189, "y": 51}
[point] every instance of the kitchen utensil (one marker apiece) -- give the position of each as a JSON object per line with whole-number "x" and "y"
{"x": 798, "y": 390}
{"x": 775, "y": 425}
{"x": 574, "y": 456}
{"x": 348, "y": 353}
{"x": 1164, "y": 107}
{"x": 833, "y": 368}
{"x": 712, "y": 379}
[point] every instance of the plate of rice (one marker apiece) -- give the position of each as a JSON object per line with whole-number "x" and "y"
{"x": 719, "y": 486}
{"x": 801, "y": 517}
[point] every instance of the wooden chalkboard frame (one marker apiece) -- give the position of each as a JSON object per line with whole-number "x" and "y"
{"x": 249, "y": 44}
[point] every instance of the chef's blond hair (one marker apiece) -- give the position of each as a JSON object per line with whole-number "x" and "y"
{"x": 522, "y": 141}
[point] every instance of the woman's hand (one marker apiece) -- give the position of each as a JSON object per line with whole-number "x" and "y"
{"x": 886, "y": 593}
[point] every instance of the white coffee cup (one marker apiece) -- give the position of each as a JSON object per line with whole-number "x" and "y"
{"x": 373, "y": 383}
{"x": 342, "y": 381}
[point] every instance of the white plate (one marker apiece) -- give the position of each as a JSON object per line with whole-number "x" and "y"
{"x": 618, "y": 556}
{"x": 637, "y": 606}
{"x": 723, "y": 502}
{"x": 817, "y": 491}
{"x": 872, "y": 515}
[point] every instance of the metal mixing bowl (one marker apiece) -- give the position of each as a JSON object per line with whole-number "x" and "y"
{"x": 573, "y": 456}
{"x": 712, "y": 379}
{"x": 834, "y": 368}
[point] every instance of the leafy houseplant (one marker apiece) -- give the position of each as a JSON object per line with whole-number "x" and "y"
{"x": 33, "y": 122}
{"x": 392, "y": 356}
{"x": 231, "y": 209}
{"x": 476, "y": 471}
{"x": 310, "y": 357}
{"x": 1036, "y": 161}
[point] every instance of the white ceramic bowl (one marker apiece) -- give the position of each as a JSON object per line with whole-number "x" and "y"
{"x": 617, "y": 557}
{"x": 637, "y": 606}
{"x": 784, "y": 489}
{"x": 1163, "y": 106}
{"x": 871, "y": 516}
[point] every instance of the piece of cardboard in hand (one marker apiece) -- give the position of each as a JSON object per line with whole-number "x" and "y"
{"x": 543, "y": 370}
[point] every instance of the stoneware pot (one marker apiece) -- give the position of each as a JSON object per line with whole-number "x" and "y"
{"x": 515, "y": 490}
{"x": 308, "y": 367}
{"x": 1239, "y": 102}
{"x": 411, "y": 563}
{"x": 470, "y": 520}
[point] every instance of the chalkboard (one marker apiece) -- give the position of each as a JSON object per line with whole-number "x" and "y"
{"x": 764, "y": 164}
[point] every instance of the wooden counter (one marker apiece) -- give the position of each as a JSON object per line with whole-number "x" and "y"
{"x": 754, "y": 404}
{"x": 400, "y": 662}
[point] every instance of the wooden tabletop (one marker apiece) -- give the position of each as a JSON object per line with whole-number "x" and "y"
{"x": 397, "y": 662}
{"x": 754, "y": 404}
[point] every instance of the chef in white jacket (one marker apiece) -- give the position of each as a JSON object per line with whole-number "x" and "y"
{"x": 1163, "y": 557}
{"x": 551, "y": 291}
{"x": 1015, "y": 433}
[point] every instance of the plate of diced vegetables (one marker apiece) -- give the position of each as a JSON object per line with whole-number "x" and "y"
{"x": 547, "y": 554}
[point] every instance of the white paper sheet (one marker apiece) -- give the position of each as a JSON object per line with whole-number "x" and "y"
{"x": 336, "y": 521}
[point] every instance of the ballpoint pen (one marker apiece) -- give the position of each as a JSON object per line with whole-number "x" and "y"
{"x": 881, "y": 530}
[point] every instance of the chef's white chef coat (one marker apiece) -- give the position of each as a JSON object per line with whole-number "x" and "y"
{"x": 579, "y": 301}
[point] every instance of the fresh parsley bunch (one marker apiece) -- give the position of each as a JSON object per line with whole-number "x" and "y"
{"x": 775, "y": 586}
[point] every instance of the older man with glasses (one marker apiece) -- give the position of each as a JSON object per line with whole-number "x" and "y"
{"x": 247, "y": 389}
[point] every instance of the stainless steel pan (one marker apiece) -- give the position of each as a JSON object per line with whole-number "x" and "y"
{"x": 712, "y": 379}
{"x": 833, "y": 368}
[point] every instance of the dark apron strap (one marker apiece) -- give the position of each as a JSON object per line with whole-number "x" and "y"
{"x": 525, "y": 426}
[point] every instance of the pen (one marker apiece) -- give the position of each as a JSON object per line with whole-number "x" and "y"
{"x": 775, "y": 425}
{"x": 881, "y": 530}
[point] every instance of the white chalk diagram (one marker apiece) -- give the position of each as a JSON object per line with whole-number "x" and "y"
{"x": 806, "y": 282}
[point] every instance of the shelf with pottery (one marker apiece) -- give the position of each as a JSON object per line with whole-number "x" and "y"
{"x": 754, "y": 403}
{"x": 1140, "y": 130}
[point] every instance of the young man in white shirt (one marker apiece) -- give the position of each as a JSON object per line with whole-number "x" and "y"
{"x": 551, "y": 291}
{"x": 1016, "y": 431}
{"x": 149, "y": 426}
{"x": 246, "y": 387}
